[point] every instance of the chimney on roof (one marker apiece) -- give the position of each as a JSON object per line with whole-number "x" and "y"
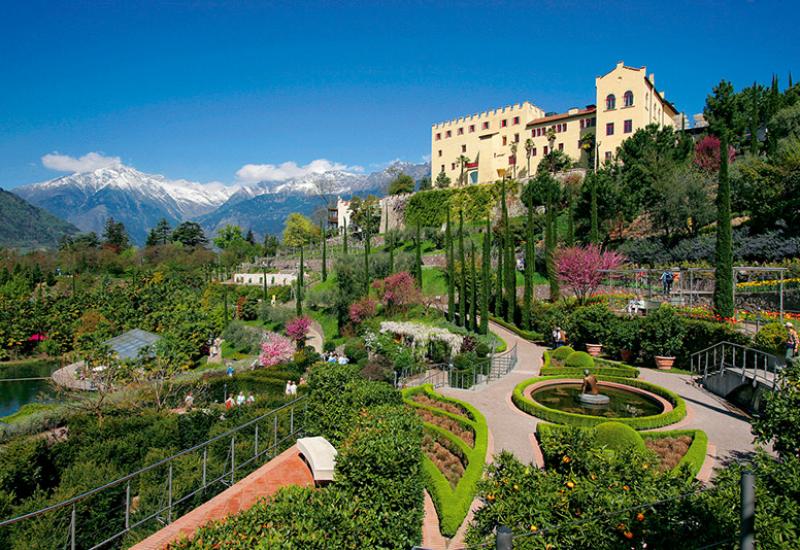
{"x": 652, "y": 78}
{"x": 572, "y": 111}
{"x": 620, "y": 64}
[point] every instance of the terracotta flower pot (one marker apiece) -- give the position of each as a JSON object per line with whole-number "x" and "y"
{"x": 626, "y": 355}
{"x": 664, "y": 363}
{"x": 594, "y": 349}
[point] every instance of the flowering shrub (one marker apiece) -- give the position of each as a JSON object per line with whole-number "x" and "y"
{"x": 275, "y": 349}
{"x": 362, "y": 310}
{"x": 581, "y": 268}
{"x": 397, "y": 291}
{"x": 706, "y": 154}
{"x": 297, "y": 329}
{"x": 420, "y": 335}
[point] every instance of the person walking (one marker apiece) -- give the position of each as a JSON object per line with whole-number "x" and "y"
{"x": 288, "y": 390}
{"x": 229, "y": 403}
{"x": 666, "y": 282}
{"x": 293, "y": 389}
{"x": 792, "y": 341}
{"x": 230, "y": 371}
{"x": 251, "y": 398}
{"x": 240, "y": 399}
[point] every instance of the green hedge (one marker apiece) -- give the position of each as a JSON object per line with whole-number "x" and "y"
{"x": 529, "y": 335}
{"x": 606, "y": 368}
{"x": 693, "y": 459}
{"x": 429, "y": 208}
{"x": 585, "y": 421}
{"x": 451, "y": 505}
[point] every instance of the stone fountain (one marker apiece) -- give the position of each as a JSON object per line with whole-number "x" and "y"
{"x": 590, "y": 395}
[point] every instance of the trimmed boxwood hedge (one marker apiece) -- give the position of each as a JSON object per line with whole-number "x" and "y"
{"x": 693, "y": 459}
{"x": 579, "y": 360}
{"x": 529, "y": 335}
{"x": 561, "y": 354}
{"x": 605, "y": 368}
{"x": 452, "y": 505}
{"x": 585, "y": 421}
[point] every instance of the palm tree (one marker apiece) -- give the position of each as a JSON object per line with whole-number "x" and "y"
{"x": 551, "y": 138}
{"x": 463, "y": 160}
{"x": 528, "y": 152}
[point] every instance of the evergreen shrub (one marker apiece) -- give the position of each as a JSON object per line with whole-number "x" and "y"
{"x": 618, "y": 436}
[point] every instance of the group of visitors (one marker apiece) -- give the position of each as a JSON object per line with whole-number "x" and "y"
{"x": 334, "y": 357}
{"x": 667, "y": 279}
{"x": 291, "y": 388}
{"x": 240, "y": 400}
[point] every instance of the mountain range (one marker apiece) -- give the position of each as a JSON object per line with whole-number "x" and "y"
{"x": 23, "y": 225}
{"x": 140, "y": 200}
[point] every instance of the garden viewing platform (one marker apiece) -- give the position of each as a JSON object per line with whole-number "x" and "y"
{"x": 288, "y": 468}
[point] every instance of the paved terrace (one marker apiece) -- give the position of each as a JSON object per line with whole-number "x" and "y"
{"x": 285, "y": 469}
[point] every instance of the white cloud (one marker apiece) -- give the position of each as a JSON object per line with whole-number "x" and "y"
{"x": 252, "y": 173}
{"x": 86, "y": 163}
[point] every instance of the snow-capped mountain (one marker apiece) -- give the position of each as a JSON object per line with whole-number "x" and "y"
{"x": 264, "y": 206}
{"x": 137, "y": 199}
{"x": 334, "y": 182}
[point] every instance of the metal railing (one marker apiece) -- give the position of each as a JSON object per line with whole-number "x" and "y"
{"x": 735, "y": 358}
{"x": 481, "y": 372}
{"x": 210, "y": 465}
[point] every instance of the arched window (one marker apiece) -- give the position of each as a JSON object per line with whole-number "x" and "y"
{"x": 628, "y": 98}
{"x": 611, "y": 102}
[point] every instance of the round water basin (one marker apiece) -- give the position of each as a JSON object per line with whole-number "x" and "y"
{"x": 623, "y": 403}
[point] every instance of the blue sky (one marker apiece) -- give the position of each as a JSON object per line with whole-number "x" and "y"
{"x": 198, "y": 90}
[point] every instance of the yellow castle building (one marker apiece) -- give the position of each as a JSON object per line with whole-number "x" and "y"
{"x": 513, "y": 139}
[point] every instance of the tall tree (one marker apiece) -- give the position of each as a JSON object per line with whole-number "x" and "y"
{"x": 425, "y": 183}
{"x": 753, "y": 118}
{"x": 528, "y": 153}
{"x": 530, "y": 263}
{"x": 442, "y": 181}
{"x": 418, "y": 256}
{"x": 115, "y": 237}
{"x": 463, "y": 160}
{"x": 486, "y": 278}
{"x": 509, "y": 269}
{"x": 451, "y": 291}
{"x": 401, "y": 184}
{"x": 367, "y": 237}
{"x": 594, "y": 228}
{"x": 160, "y": 234}
{"x": 499, "y": 280}
{"x": 462, "y": 291}
{"x": 189, "y": 234}
{"x": 324, "y": 237}
{"x": 299, "y": 293}
{"x": 473, "y": 286}
{"x": 250, "y": 237}
{"x": 720, "y": 112}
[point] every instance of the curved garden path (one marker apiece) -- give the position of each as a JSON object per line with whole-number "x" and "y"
{"x": 315, "y": 336}
{"x": 510, "y": 428}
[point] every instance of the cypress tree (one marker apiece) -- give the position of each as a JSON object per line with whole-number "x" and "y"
{"x": 509, "y": 268}
{"x": 390, "y": 240}
{"x": 418, "y": 257}
{"x": 366, "y": 253}
{"x": 324, "y": 252}
{"x": 451, "y": 291}
{"x": 299, "y": 294}
{"x": 498, "y": 287}
{"x": 473, "y": 284}
{"x": 344, "y": 240}
{"x": 551, "y": 238}
{"x": 530, "y": 259}
{"x": 753, "y": 119}
{"x": 486, "y": 270}
{"x": 723, "y": 273}
{"x": 594, "y": 231}
{"x": 462, "y": 291}
{"x": 570, "y": 239}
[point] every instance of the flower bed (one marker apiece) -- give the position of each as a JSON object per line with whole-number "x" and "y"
{"x": 460, "y": 430}
{"x": 448, "y": 406}
{"x": 452, "y": 502}
{"x": 446, "y": 456}
{"x": 528, "y": 405}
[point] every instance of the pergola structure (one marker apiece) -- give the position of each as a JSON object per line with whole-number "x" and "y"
{"x": 694, "y": 286}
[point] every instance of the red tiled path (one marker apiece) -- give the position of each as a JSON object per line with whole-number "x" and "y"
{"x": 285, "y": 469}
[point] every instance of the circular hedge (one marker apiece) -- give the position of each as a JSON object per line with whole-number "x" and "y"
{"x": 580, "y": 360}
{"x": 556, "y": 416}
{"x": 561, "y": 354}
{"x": 618, "y": 436}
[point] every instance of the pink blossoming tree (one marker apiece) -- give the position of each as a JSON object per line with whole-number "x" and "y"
{"x": 362, "y": 310}
{"x": 398, "y": 291}
{"x": 275, "y": 349}
{"x": 706, "y": 154}
{"x": 581, "y": 268}
{"x": 297, "y": 330}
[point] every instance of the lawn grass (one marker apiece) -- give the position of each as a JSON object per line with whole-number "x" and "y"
{"x": 434, "y": 282}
